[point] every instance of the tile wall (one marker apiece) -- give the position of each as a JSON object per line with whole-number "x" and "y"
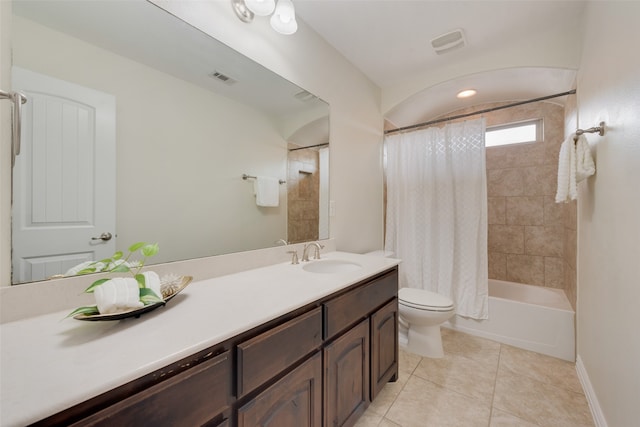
{"x": 526, "y": 226}
{"x": 303, "y": 190}
{"x": 532, "y": 239}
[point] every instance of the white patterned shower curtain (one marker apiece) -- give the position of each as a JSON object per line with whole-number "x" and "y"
{"x": 437, "y": 212}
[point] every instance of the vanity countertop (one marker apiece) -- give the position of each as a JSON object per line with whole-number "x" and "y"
{"x": 49, "y": 363}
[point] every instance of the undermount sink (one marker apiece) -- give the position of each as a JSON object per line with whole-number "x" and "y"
{"x": 331, "y": 266}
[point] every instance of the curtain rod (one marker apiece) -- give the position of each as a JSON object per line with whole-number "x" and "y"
{"x": 326, "y": 144}
{"x": 488, "y": 110}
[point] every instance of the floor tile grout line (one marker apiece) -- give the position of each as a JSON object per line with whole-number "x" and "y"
{"x": 495, "y": 383}
{"x": 409, "y": 375}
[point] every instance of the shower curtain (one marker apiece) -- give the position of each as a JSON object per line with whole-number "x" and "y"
{"x": 437, "y": 212}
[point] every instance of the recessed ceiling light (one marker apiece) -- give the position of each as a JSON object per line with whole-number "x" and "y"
{"x": 466, "y": 93}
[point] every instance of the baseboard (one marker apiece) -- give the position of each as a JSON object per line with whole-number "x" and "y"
{"x": 589, "y": 392}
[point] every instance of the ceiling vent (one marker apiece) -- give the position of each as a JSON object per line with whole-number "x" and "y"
{"x": 223, "y": 78}
{"x": 449, "y": 41}
{"x": 305, "y": 96}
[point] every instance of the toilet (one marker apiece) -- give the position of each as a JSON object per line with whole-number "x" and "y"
{"x": 421, "y": 314}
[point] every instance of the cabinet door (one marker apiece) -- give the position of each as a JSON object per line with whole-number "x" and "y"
{"x": 384, "y": 346}
{"x": 346, "y": 377}
{"x": 294, "y": 401}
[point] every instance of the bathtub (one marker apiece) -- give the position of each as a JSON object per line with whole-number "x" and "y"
{"x": 529, "y": 317}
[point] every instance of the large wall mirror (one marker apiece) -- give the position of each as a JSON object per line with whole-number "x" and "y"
{"x": 139, "y": 127}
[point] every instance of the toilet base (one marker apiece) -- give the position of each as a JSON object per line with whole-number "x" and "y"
{"x": 425, "y": 341}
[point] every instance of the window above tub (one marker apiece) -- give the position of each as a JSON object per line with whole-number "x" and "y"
{"x": 514, "y": 133}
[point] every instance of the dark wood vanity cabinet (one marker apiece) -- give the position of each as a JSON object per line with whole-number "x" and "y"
{"x": 319, "y": 366}
{"x": 276, "y": 350}
{"x": 359, "y": 359}
{"x": 384, "y": 346}
{"x": 295, "y": 400}
{"x": 346, "y": 376}
{"x": 198, "y": 396}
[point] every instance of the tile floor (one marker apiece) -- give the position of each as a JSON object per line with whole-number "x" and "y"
{"x": 480, "y": 383}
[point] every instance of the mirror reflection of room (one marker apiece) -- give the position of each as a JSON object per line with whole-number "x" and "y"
{"x": 133, "y": 132}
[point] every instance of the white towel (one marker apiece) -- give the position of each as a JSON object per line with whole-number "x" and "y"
{"x": 584, "y": 162}
{"x": 567, "y": 189}
{"x": 118, "y": 294}
{"x": 575, "y": 164}
{"x": 267, "y": 191}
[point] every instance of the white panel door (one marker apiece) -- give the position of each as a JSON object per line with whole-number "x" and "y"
{"x": 64, "y": 178}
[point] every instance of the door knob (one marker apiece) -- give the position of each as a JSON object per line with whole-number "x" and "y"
{"x": 104, "y": 237}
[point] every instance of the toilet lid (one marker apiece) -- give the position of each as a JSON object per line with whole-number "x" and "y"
{"x": 423, "y": 299}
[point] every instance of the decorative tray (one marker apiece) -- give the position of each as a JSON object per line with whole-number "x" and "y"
{"x": 169, "y": 290}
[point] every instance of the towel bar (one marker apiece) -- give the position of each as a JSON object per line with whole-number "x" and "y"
{"x": 596, "y": 129}
{"x": 246, "y": 177}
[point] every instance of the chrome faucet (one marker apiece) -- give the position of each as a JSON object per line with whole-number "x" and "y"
{"x": 294, "y": 257}
{"x": 316, "y": 255}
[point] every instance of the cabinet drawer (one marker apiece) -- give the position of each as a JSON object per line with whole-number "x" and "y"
{"x": 270, "y": 353}
{"x": 192, "y": 397}
{"x": 347, "y": 309}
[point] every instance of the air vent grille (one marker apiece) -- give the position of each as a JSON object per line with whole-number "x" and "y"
{"x": 450, "y": 41}
{"x": 223, "y": 78}
{"x": 305, "y": 96}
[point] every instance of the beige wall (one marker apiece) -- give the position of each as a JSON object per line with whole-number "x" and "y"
{"x": 608, "y": 314}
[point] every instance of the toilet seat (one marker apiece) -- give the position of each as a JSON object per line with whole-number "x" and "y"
{"x": 422, "y": 299}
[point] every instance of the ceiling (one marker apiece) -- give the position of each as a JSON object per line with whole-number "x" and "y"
{"x": 389, "y": 41}
{"x": 170, "y": 45}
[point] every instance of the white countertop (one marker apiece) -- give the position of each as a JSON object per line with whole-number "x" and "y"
{"x": 49, "y": 363}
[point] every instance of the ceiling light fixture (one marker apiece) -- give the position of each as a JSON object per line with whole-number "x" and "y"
{"x": 283, "y": 15}
{"x": 466, "y": 93}
{"x": 261, "y": 7}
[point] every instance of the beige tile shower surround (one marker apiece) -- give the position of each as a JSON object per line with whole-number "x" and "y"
{"x": 303, "y": 193}
{"x": 480, "y": 383}
{"x": 526, "y": 226}
{"x": 531, "y": 239}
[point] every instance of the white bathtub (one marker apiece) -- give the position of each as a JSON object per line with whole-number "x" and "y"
{"x": 529, "y": 317}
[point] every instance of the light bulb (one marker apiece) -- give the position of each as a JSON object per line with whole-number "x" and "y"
{"x": 466, "y": 93}
{"x": 261, "y": 7}
{"x": 283, "y": 19}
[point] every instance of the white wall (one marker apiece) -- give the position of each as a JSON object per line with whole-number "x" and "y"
{"x": 608, "y": 313}
{"x": 181, "y": 151}
{"x": 557, "y": 47}
{"x": 355, "y": 122}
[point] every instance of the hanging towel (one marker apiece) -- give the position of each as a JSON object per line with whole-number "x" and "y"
{"x": 267, "y": 191}
{"x": 584, "y": 162}
{"x": 567, "y": 189}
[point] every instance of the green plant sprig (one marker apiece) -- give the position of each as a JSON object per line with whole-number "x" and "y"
{"x": 116, "y": 264}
